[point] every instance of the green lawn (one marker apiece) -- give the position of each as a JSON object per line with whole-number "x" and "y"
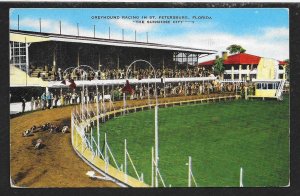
{"x": 220, "y": 137}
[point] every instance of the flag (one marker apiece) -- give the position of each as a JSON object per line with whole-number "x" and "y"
{"x": 127, "y": 88}
{"x": 69, "y": 83}
{"x": 72, "y": 84}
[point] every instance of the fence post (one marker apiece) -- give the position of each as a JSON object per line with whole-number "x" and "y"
{"x": 124, "y": 102}
{"x": 156, "y": 146}
{"x": 189, "y": 172}
{"x": 105, "y": 151}
{"x": 72, "y": 132}
{"x": 82, "y": 141}
{"x": 98, "y": 124}
{"x": 152, "y": 168}
{"x": 241, "y": 177}
{"x": 91, "y": 135}
{"x": 125, "y": 160}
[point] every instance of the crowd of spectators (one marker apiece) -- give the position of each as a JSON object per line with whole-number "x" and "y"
{"x": 105, "y": 74}
{"x": 141, "y": 91}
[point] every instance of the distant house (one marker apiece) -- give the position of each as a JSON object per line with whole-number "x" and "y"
{"x": 243, "y": 66}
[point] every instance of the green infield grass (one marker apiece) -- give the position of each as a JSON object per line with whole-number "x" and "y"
{"x": 220, "y": 138}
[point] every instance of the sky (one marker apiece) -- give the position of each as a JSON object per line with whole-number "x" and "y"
{"x": 261, "y": 31}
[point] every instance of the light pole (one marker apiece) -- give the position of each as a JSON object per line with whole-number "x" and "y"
{"x": 156, "y": 116}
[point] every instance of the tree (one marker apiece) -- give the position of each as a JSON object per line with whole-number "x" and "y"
{"x": 235, "y": 49}
{"x": 219, "y": 67}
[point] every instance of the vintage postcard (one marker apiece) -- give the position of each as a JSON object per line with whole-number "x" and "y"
{"x": 149, "y": 97}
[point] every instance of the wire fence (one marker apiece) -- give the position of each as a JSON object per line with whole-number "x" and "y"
{"x": 85, "y": 117}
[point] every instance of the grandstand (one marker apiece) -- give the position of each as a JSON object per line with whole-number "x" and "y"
{"x": 43, "y": 60}
{"x": 45, "y": 53}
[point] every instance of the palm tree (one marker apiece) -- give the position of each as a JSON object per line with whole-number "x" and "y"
{"x": 219, "y": 67}
{"x": 235, "y": 49}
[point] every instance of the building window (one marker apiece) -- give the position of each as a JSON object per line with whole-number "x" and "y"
{"x": 18, "y": 55}
{"x": 270, "y": 86}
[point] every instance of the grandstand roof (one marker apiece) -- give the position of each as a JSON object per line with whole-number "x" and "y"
{"x": 41, "y": 37}
{"x": 238, "y": 59}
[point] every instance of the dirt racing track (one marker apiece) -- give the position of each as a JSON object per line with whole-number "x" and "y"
{"x": 56, "y": 164}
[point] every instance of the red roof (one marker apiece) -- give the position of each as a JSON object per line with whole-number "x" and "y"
{"x": 236, "y": 59}
{"x": 282, "y": 63}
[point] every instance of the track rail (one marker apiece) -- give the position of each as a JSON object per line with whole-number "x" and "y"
{"x": 109, "y": 171}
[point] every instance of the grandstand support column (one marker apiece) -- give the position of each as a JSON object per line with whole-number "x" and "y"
{"x": 163, "y": 64}
{"x": 27, "y": 58}
{"x": 118, "y": 62}
{"x": 78, "y": 60}
{"x": 187, "y": 60}
{"x": 54, "y": 61}
{"x": 232, "y": 72}
{"x": 176, "y": 59}
{"x": 248, "y": 73}
{"x": 134, "y": 67}
{"x": 240, "y": 72}
{"x": 99, "y": 61}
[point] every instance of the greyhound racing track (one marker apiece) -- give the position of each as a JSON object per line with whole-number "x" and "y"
{"x": 55, "y": 165}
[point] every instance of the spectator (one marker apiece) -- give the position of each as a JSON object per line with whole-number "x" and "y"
{"x": 74, "y": 98}
{"x": 44, "y": 101}
{"x": 23, "y": 104}
{"x": 36, "y": 103}
{"x": 55, "y": 100}
{"x": 32, "y": 103}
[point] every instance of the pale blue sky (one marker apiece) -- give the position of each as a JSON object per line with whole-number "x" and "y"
{"x": 268, "y": 27}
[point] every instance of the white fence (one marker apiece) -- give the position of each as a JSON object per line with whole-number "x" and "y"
{"x": 90, "y": 148}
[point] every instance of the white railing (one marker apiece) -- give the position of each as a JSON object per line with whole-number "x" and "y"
{"x": 79, "y": 83}
{"x": 81, "y": 128}
{"x": 110, "y": 152}
{"x": 232, "y": 81}
{"x": 190, "y": 174}
{"x": 154, "y": 166}
{"x": 140, "y": 178}
{"x": 280, "y": 90}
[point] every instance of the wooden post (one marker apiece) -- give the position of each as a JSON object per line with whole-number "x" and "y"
{"x": 248, "y": 73}
{"x": 240, "y": 70}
